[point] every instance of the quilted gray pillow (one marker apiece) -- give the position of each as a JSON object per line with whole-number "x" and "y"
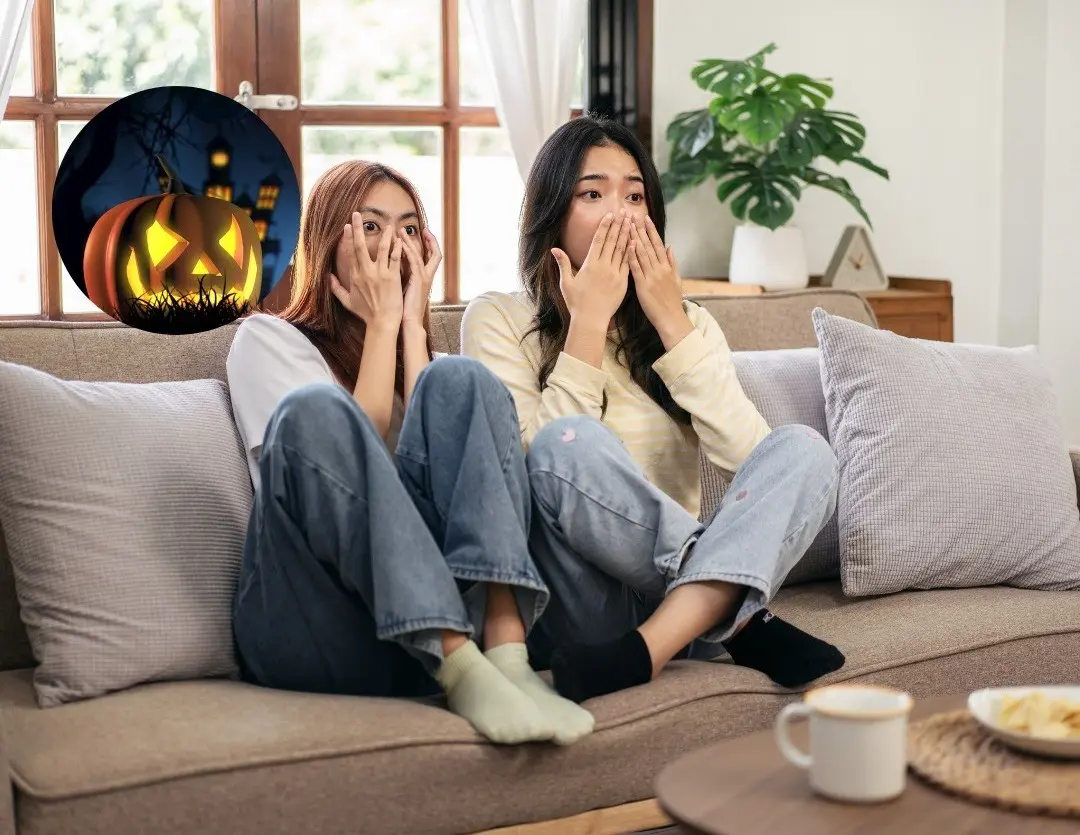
{"x": 785, "y": 385}
{"x": 124, "y": 507}
{"x": 954, "y": 471}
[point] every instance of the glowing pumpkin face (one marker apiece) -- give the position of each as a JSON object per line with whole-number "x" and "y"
{"x": 171, "y": 244}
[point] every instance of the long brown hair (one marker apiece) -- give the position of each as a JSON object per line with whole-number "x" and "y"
{"x": 313, "y": 308}
{"x": 548, "y": 192}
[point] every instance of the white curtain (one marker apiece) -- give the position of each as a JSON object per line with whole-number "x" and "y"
{"x": 14, "y": 23}
{"x": 531, "y": 48}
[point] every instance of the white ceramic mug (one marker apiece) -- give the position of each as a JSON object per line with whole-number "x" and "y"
{"x": 858, "y": 741}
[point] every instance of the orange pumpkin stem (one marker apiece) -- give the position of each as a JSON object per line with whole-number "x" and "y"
{"x": 174, "y": 186}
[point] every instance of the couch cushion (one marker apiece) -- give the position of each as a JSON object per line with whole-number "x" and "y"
{"x": 124, "y": 507}
{"x": 129, "y": 355}
{"x": 446, "y": 328}
{"x": 781, "y": 320}
{"x": 785, "y": 386}
{"x": 954, "y": 470}
{"x": 217, "y": 756}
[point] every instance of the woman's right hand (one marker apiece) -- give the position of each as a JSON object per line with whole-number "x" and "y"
{"x": 370, "y": 289}
{"x": 594, "y": 292}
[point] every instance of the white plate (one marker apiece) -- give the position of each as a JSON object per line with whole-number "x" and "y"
{"x": 984, "y": 705}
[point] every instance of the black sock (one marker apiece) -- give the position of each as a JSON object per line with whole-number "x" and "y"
{"x": 582, "y": 672}
{"x": 785, "y": 653}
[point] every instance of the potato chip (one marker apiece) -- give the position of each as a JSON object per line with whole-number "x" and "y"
{"x": 1037, "y": 715}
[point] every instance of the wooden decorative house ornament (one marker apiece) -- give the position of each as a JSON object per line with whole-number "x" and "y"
{"x": 855, "y": 265}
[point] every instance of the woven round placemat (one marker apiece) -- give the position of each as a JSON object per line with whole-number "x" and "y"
{"x": 954, "y": 752}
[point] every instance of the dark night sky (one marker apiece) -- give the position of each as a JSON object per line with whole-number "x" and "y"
{"x": 112, "y": 160}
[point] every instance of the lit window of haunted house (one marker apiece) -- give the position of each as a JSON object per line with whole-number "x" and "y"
{"x": 220, "y": 184}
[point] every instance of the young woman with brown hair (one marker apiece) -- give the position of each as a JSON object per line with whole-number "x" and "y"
{"x": 388, "y": 535}
{"x": 620, "y": 385}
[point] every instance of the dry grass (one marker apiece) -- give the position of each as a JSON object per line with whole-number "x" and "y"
{"x": 170, "y": 313}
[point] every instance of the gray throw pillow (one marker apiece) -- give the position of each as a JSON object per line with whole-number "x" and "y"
{"x": 124, "y": 507}
{"x": 954, "y": 471}
{"x": 785, "y": 386}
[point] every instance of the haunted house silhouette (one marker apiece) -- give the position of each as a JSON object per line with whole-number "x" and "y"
{"x": 220, "y": 184}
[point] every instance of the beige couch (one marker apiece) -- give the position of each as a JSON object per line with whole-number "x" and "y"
{"x": 224, "y": 757}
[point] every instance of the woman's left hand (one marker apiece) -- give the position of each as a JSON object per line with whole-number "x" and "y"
{"x": 422, "y": 276}
{"x": 657, "y": 281}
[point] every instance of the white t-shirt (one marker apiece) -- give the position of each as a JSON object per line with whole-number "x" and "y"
{"x": 269, "y": 358}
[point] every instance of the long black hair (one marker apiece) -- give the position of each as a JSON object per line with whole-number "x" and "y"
{"x": 548, "y": 194}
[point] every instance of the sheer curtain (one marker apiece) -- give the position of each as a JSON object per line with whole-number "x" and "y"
{"x": 14, "y": 22}
{"x": 531, "y": 48}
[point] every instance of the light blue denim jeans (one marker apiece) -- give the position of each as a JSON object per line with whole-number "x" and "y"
{"x": 610, "y": 545}
{"x": 356, "y": 560}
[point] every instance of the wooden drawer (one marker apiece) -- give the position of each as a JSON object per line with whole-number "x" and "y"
{"x": 919, "y": 308}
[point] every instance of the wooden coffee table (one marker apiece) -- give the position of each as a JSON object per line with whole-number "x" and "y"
{"x": 744, "y": 787}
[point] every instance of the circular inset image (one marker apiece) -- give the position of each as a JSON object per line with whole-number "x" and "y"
{"x": 176, "y": 210}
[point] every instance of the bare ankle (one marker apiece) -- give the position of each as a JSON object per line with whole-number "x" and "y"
{"x": 502, "y": 620}
{"x": 688, "y": 612}
{"x": 452, "y": 641}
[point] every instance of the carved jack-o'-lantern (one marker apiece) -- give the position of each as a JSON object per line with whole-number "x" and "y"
{"x": 174, "y": 245}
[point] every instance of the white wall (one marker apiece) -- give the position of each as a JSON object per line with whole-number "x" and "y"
{"x": 1023, "y": 170}
{"x": 925, "y": 77}
{"x": 1059, "y": 300}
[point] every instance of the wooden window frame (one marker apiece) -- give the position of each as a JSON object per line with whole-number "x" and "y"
{"x": 280, "y": 72}
{"x": 241, "y": 54}
{"x": 234, "y": 59}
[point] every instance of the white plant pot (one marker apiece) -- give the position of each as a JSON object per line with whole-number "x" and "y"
{"x": 774, "y": 259}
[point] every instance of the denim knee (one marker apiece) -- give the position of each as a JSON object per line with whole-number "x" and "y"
{"x": 570, "y": 446}
{"x": 807, "y": 448}
{"x": 448, "y": 378}
{"x": 314, "y": 411}
{"x": 450, "y": 394}
{"x": 576, "y": 435}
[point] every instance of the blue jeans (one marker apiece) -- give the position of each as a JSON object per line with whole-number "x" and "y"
{"x": 610, "y": 545}
{"x": 355, "y": 561}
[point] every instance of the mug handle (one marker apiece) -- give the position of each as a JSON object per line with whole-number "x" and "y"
{"x": 788, "y": 748}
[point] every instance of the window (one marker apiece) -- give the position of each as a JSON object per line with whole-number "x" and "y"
{"x": 88, "y": 53}
{"x": 409, "y": 87}
{"x": 402, "y": 82}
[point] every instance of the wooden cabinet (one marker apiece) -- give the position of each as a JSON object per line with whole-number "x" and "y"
{"x": 917, "y": 307}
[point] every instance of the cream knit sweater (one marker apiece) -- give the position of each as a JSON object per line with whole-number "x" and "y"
{"x": 699, "y": 373}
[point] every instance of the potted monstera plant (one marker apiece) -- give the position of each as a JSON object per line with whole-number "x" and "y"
{"x": 762, "y": 139}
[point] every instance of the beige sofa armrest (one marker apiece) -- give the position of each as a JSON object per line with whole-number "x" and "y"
{"x": 7, "y": 792}
{"x": 1074, "y": 455}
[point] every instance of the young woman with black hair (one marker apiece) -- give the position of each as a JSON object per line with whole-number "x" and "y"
{"x": 619, "y": 384}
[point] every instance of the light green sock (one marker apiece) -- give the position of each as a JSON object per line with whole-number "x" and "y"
{"x": 571, "y": 721}
{"x": 478, "y": 692}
